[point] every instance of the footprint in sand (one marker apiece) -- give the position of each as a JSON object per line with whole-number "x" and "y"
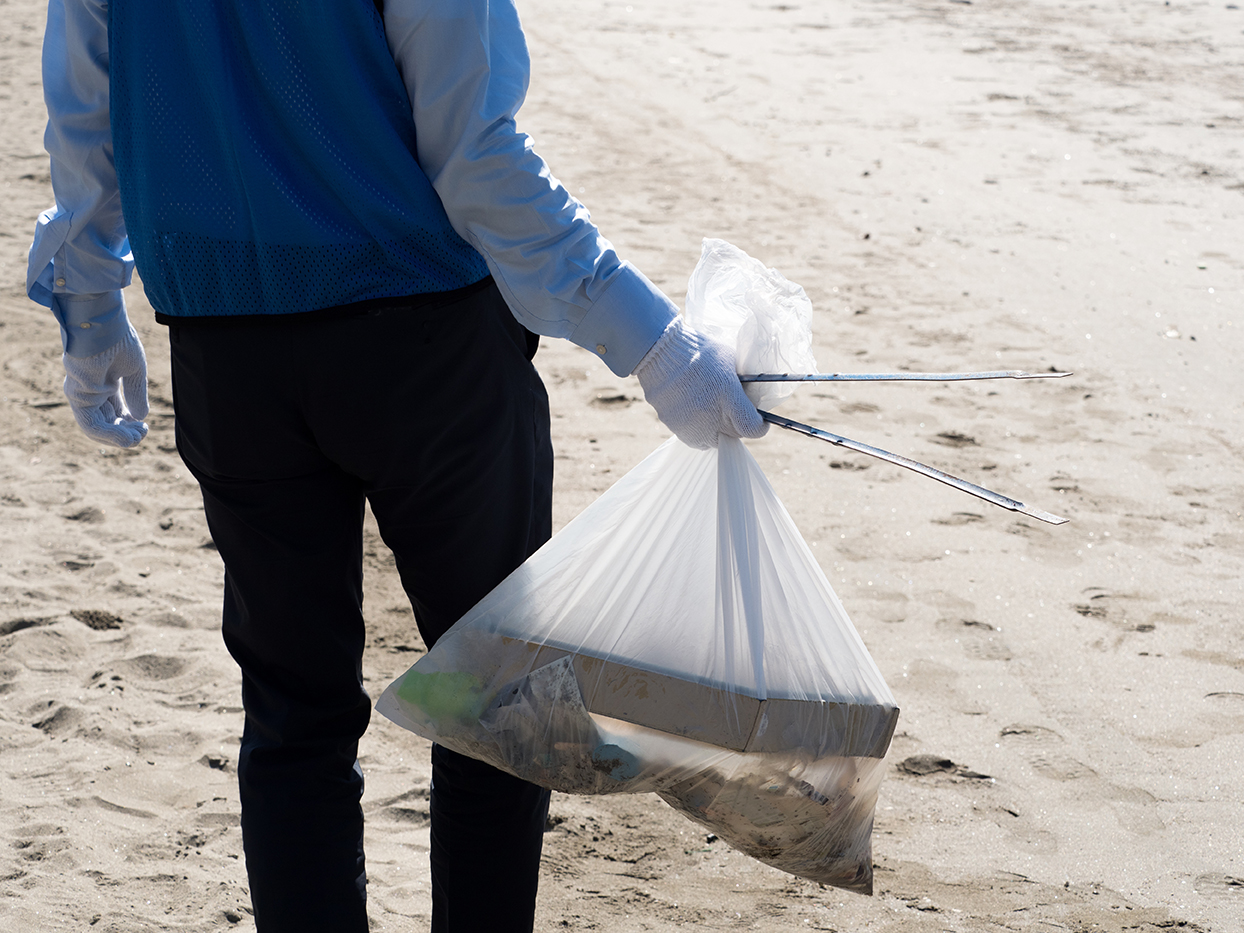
{"x": 1133, "y": 807}
{"x": 882, "y": 605}
{"x": 1124, "y": 611}
{"x": 409, "y": 809}
{"x": 941, "y": 681}
{"x": 153, "y": 667}
{"x": 152, "y": 673}
{"x": 949, "y": 603}
{"x": 1041, "y": 747}
{"x": 1219, "y": 884}
{"x": 979, "y": 640}
{"x": 46, "y": 845}
{"x": 47, "y": 648}
{"x": 1223, "y": 712}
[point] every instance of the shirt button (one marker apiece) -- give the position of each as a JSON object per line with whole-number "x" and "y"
{"x": 600, "y": 348}
{"x": 84, "y": 325}
{"x": 60, "y": 283}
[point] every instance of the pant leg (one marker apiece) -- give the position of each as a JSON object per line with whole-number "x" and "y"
{"x": 295, "y": 627}
{"x": 462, "y": 493}
{"x": 288, "y": 525}
{"x": 476, "y": 507}
{"x": 487, "y": 834}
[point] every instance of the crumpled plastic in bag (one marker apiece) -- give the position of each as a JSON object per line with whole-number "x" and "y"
{"x": 679, "y": 637}
{"x": 738, "y": 300}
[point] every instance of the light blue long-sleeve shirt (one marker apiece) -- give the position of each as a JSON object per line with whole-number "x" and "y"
{"x": 465, "y": 66}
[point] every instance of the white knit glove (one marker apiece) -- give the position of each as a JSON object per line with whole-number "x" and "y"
{"x": 108, "y": 391}
{"x": 691, "y": 381}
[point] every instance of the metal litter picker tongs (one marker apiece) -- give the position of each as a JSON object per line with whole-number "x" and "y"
{"x": 980, "y": 492}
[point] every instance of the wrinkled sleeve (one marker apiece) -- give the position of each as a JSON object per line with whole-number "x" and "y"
{"x": 80, "y": 257}
{"x": 465, "y": 65}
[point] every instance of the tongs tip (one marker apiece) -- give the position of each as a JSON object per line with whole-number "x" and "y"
{"x": 1042, "y": 515}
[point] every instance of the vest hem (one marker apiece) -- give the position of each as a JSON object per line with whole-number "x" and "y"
{"x": 425, "y": 301}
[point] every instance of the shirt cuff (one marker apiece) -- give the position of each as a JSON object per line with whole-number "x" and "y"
{"x": 624, "y": 322}
{"x": 90, "y": 324}
{"x": 51, "y": 231}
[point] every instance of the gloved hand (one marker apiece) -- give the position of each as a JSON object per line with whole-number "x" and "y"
{"x": 691, "y": 381}
{"x": 108, "y": 391}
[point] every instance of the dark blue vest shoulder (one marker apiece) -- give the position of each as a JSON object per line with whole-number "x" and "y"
{"x": 265, "y": 151}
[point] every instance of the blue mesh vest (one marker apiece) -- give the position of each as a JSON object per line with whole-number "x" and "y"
{"x": 265, "y": 151}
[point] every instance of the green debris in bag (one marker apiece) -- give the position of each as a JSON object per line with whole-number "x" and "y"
{"x": 444, "y": 695}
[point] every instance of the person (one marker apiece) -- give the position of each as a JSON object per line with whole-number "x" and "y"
{"x": 355, "y": 250}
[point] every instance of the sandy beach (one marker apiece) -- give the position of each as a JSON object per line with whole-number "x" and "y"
{"x": 958, "y": 186}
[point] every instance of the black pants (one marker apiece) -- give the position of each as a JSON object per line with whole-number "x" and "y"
{"x": 434, "y": 414}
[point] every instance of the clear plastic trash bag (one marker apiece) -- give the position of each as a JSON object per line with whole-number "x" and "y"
{"x": 679, "y": 637}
